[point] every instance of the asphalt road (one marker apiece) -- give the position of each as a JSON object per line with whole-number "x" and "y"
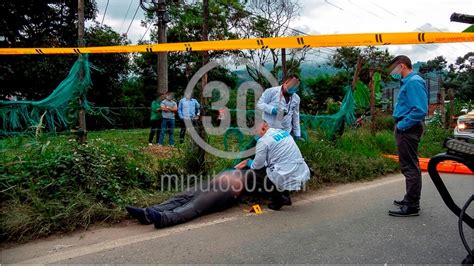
{"x": 341, "y": 224}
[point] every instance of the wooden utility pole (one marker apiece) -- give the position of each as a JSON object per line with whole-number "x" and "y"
{"x": 205, "y": 59}
{"x": 283, "y": 64}
{"x": 451, "y": 108}
{"x": 80, "y": 26}
{"x": 372, "y": 101}
{"x": 205, "y": 54}
{"x": 162, "y": 66}
{"x": 356, "y": 72}
{"x": 442, "y": 107}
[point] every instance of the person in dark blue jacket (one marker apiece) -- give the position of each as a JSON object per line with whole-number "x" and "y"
{"x": 409, "y": 114}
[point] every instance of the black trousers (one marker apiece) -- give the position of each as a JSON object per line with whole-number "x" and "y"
{"x": 190, "y": 204}
{"x": 209, "y": 198}
{"x": 407, "y": 146}
{"x": 154, "y": 129}
{"x": 182, "y": 131}
{"x": 258, "y": 182}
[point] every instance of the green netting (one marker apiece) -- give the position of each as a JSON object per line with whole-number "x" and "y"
{"x": 328, "y": 124}
{"x": 58, "y": 110}
{"x": 331, "y": 124}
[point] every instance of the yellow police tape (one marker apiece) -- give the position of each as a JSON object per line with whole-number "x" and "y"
{"x": 332, "y": 40}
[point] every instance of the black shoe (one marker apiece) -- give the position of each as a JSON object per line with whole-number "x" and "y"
{"x": 405, "y": 211}
{"x": 287, "y": 201}
{"x": 139, "y": 214}
{"x": 276, "y": 206}
{"x": 401, "y": 203}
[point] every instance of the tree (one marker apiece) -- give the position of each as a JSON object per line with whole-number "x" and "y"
{"x": 460, "y": 77}
{"x": 346, "y": 58}
{"x": 265, "y": 19}
{"x": 186, "y": 26}
{"x": 436, "y": 65}
{"x": 110, "y": 69}
{"x": 51, "y": 23}
{"x": 321, "y": 89}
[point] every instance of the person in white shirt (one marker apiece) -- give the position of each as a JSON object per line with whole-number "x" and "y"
{"x": 278, "y": 164}
{"x": 281, "y": 106}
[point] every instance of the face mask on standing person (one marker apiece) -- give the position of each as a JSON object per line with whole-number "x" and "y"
{"x": 396, "y": 73}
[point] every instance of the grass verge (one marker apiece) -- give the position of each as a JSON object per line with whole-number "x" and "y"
{"x": 53, "y": 184}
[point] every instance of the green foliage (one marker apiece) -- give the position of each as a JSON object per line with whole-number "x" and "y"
{"x": 373, "y": 57}
{"x": 354, "y": 156}
{"x": 55, "y": 184}
{"x": 432, "y": 140}
{"x": 38, "y": 24}
{"x": 320, "y": 89}
{"x": 460, "y": 77}
{"x": 186, "y": 26}
{"x": 111, "y": 69}
{"x": 435, "y": 65}
{"x": 384, "y": 122}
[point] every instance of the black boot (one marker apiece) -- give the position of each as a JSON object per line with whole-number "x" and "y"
{"x": 405, "y": 211}
{"x": 401, "y": 203}
{"x": 139, "y": 214}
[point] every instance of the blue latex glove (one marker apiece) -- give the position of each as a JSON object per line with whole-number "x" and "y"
{"x": 274, "y": 111}
{"x": 249, "y": 163}
{"x": 296, "y": 138}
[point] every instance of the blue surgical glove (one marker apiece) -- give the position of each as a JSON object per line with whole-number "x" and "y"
{"x": 249, "y": 163}
{"x": 274, "y": 111}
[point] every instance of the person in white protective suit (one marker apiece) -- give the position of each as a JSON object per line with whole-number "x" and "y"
{"x": 278, "y": 165}
{"x": 281, "y": 106}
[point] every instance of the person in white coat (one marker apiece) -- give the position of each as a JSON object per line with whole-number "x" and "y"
{"x": 278, "y": 164}
{"x": 281, "y": 106}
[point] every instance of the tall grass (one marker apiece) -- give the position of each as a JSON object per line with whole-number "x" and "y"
{"x": 53, "y": 184}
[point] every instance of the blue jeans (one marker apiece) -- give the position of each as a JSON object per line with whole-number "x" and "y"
{"x": 167, "y": 125}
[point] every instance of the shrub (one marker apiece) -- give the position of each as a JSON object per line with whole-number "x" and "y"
{"x": 59, "y": 185}
{"x": 384, "y": 122}
{"x": 354, "y": 156}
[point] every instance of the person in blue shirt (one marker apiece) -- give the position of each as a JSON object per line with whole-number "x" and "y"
{"x": 168, "y": 108}
{"x": 188, "y": 108}
{"x": 409, "y": 114}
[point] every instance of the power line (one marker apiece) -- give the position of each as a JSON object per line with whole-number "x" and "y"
{"x": 383, "y": 8}
{"x": 126, "y": 14}
{"x": 149, "y": 26}
{"x": 105, "y": 12}
{"x": 368, "y": 11}
{"x": 281, "y": 25}
{"x": 132, "y": 19}
{"x": 331, "y": 4}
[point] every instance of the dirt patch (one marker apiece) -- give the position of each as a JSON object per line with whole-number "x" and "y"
{"x": 162, "y": 151}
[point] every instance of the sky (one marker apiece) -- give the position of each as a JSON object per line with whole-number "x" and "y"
{"x": 341, "y": 16}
